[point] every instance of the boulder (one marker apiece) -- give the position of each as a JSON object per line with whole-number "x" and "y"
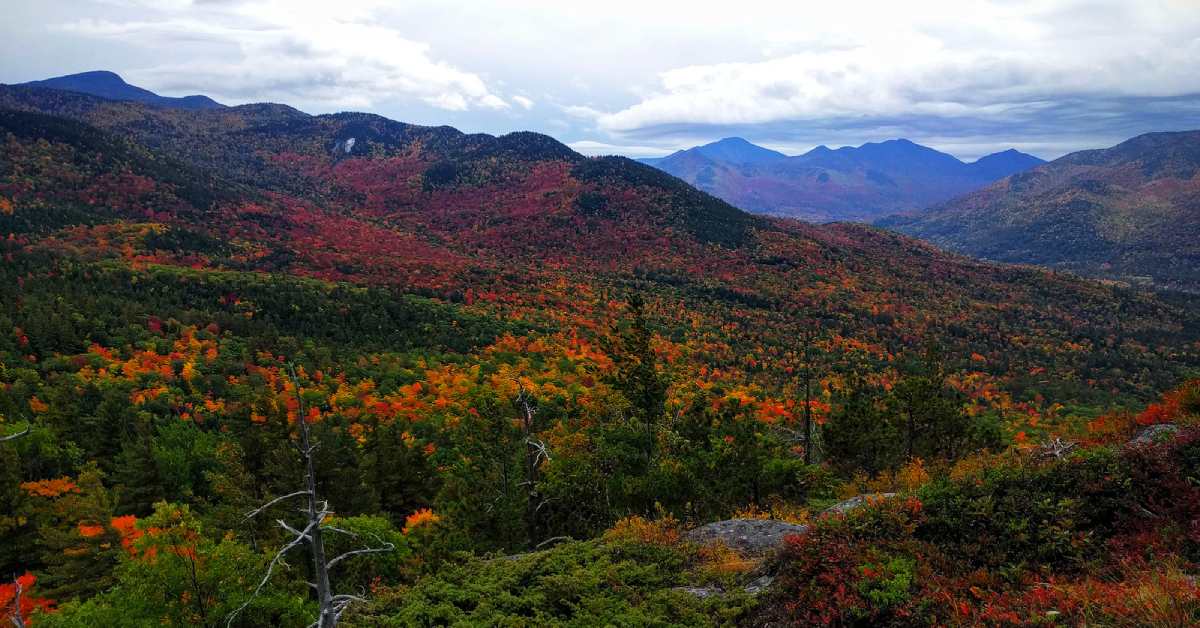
{"x": 1154, "y": 434}
{"x": 749, "y": 537}
{"x": 754, "y": 587}
{"x": 858, "y": 501}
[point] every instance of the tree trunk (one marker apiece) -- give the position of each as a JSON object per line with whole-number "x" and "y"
{"x": 327, "y": 618}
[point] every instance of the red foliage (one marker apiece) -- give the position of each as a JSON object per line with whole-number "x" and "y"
{"x": 28, "y": 604}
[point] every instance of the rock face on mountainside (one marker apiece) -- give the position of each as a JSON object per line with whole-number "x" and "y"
{"x": 1129, "y": 213}
{"x": 824, "y": 185}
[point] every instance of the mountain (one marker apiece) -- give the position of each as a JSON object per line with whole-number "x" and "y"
{"x": 733, "y": 150}
{"x": 501, "y": 347}
{"x": 1129, "y": 213}
{"x": 430, "y": 210}
{"x": 110, "y": 85}
{"x": 1002, "y": 164}
{"x": 824, "y": 185}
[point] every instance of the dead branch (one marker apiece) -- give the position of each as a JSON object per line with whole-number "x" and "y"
{"x": 23, "y": 432}
{"x": 256, "y": 511}
{"x": 301, "y": 537}
{"x": 315, "y": 512}
{"x": 384, "y": 547}
{"x": 1056, "y": 449}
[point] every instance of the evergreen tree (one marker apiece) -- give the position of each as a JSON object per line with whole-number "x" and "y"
{"x": 859, "y": 434}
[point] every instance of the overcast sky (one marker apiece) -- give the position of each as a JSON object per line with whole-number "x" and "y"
{"x": 645, "y": 77}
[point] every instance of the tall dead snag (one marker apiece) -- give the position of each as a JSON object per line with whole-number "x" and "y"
{"x": 18, "y": 620}
{"x": 15, "y": 614}
{"x": 809, "y": 445}
{"x": 315, "y": 511}
{"x": 535, "y": 452}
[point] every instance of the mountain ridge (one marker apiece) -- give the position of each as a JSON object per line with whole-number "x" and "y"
{"x": 438, "y": 212}
{"x": 1128, "y": 212}
{"x": 859, "y": 183}
{"x": 110, "y": 85}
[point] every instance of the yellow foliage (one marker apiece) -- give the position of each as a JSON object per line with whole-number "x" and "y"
{"x": 664, "y": 531}
{"x": 778, "y": 510}
{"x": 912, "y": 476}
{"x": 6, "y": 206}
{"x": 719, "y": 560}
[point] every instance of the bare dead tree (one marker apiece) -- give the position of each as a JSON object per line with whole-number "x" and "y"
{"x": 315, "y": 510}
{"x": 15, "y": 617}
{"x": 808, "y": 377}
{"x": 536, "y": 451}
{"x": 1056, "y": 449}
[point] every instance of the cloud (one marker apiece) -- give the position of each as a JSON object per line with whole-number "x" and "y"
{"x": 923, "y": 79}
{"x": 592, "y": 147}
{"x": 582, "y": 112}
{"x": 967, "y": 75}
{"x": 1014, "y": 68}
{"x": 294, "y": 52}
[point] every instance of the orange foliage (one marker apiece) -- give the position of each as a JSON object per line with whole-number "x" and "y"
{"x": 37, "y": 405}
{"x": 422, "y": 517}
{"x": 126, "y": 527}
{"x": 88, "y": 531}
{"x": 50, "y": 488}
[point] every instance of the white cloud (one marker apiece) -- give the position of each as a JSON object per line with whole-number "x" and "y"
{"x": 592, "y": 147}
{"x": 582, "y": 112}
{"x": 976, "y": 60}
{"x": 294, "y": 52}
{"x": 1069, "y": 73}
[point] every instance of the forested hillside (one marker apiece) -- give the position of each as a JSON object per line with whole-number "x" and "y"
{"x": 1128, "y": 213}
{"x": 496, "y": 345}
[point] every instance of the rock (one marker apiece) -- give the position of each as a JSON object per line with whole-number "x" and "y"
{"x": 858, "y": 501}
{"x": 701, "y": 592}
{"x": 751, "y": 537}
{"x": 759, "y": 584}
{"x": 1155, "y": 434}
{"x": 754, "y": 587}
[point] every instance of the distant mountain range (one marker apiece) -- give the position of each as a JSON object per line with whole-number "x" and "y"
{"x": 1130, "y": 212}
{"x": 826, "y": 185}
{"x": 111, "y": 86}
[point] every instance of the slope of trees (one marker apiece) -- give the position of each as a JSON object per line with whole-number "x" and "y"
{"x": 500, "y": 347}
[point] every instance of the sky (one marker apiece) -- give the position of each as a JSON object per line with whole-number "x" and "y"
{"x": 644, "y": 78}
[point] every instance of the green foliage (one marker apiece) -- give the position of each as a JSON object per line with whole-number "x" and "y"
{"x": 149, "y": 310}
{"x": 921, "y": 416}
{"x": 860, "y": 434}
{"x": 592, "y": 583}
{"x": 178, "y": 576}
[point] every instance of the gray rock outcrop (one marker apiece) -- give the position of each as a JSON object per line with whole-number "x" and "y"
{"x": 750, "y": 537}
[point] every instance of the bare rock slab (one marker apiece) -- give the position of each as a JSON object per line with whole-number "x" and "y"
{"x": 750, "y": 537}
{"x": 856, "y": 502}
